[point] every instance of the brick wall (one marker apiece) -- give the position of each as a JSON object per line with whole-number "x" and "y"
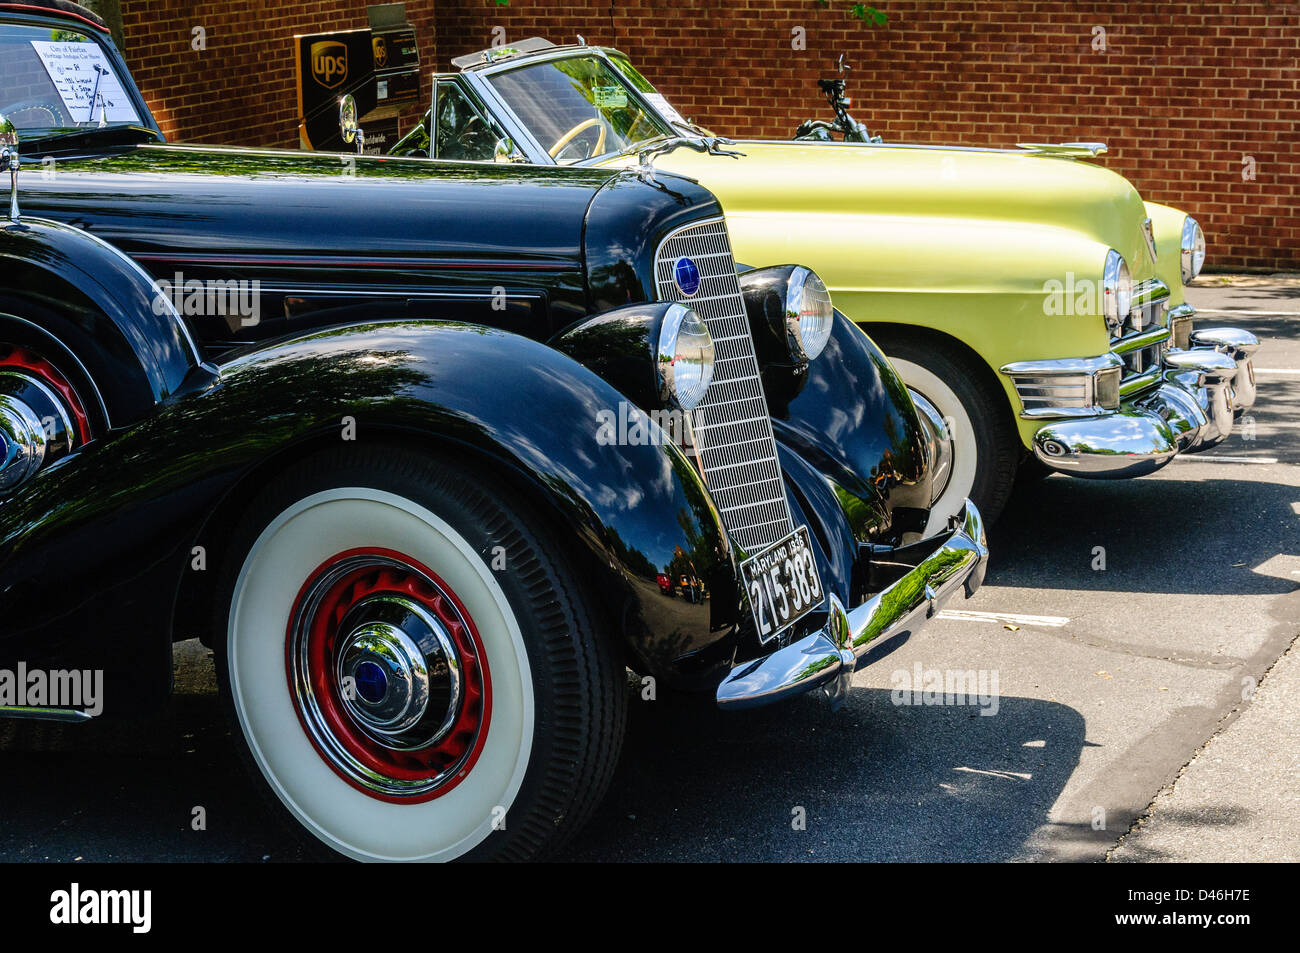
{"x": 1188, "y": 95}
{"x": 240, "y": 90}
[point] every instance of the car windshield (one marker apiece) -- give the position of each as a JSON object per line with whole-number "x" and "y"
{"x": 58, "y": 80}
{"x": 577, "y": 108}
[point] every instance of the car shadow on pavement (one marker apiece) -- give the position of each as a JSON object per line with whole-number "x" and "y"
{"x": 874, "y": 781}
{"x": 128, "y": 790}
{"x": 1158, "y": 536}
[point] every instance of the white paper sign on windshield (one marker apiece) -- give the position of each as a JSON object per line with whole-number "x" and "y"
{"x": 665, "y": 110}
{"x": 74, "y": 68}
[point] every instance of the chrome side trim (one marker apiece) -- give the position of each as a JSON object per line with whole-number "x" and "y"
{"x": 1061, "y": 388}
{"x": 27, "y": 713}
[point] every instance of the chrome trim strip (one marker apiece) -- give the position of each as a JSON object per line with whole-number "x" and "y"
{"x": 1062, "y": 366}
{"x": 1137, "y": 383}
{"x": 1065, "y": 150}
{"x": 1148, "y": 232}
{"x": 1140, "y": 339}
{"x": 27, "y": 713}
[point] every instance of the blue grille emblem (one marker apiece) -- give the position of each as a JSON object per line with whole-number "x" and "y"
{"x": 686, "y": 274}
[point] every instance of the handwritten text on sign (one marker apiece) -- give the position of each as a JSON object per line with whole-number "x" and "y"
{"x": 72, "y": 69}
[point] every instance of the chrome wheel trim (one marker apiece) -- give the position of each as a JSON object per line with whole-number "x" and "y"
{"x": 965, "y": 451}
{"x": 411, "y": 677}
{"x": 941, "y": 467}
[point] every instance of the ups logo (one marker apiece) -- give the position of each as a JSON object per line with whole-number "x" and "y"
{"x": 381, "y": 52}
{"x": 329, "y": 63}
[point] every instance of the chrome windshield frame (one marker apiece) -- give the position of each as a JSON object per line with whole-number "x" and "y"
{"x": 478, "y": 78}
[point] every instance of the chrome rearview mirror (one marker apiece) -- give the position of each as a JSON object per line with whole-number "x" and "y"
{"x": 505, "y": 151}
{"x": 9, "y": 160}
{"x": 348, "y": 125}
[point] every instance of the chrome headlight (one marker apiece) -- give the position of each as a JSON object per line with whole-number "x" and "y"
{"x": 1193, "y": 246}
{"x": 809, "y": 314}
{"x": 1116, "y": 291}
{"x": 685, "y": 356}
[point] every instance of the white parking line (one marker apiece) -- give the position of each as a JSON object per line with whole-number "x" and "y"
{"x": 1277, "y": 370}
{"x": 1043, "y": 621}
{"x": 1221, "y": 458}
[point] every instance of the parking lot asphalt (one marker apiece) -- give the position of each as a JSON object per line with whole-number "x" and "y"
{"x": 1121, "y": 633}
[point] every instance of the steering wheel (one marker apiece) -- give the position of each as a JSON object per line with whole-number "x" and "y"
{"x": 562, "y": 143}
{"x": 58, "y": 116}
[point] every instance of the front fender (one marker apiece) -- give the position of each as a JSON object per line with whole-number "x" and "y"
{"x": 94, "y": 549}
{"x": 64, "y": 283}
{"x": 854, "y": 423}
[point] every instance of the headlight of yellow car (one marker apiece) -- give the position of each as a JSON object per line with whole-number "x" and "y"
{"x": 1117, "y": 292}
{"x": 1193, "y": 249}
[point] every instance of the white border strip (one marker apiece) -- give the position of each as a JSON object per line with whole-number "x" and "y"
{"x": 1221, "y": 458}
{"x": 1042, "y": 621}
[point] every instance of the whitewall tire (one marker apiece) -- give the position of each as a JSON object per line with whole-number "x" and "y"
{"x": 383, "y": 677}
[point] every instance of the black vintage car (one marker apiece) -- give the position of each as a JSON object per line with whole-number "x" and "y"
{"x": 428, "y": 454}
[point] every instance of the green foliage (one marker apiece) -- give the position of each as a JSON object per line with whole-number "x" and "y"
{"x": 871, "y": 16}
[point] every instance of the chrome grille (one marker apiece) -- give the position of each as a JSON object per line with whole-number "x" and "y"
{"x": 733, "y": 432}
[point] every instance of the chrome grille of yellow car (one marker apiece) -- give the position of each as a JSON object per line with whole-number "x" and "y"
{"x": 1144, "y": 337}
{"x": 733, "y": 432}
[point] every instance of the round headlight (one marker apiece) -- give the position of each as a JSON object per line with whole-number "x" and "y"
{"x": 685, "y": 356}
{"x": 1193, "y": 249}
{"x": 809, "y": 314}
{"x": 1117, "y": 291}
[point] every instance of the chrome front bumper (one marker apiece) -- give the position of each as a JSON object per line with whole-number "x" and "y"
{"x": 1190, "y": 404}
{"x": 827, "y": 658}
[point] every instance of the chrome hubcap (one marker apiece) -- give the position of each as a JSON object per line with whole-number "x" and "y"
{"x": 940, "y": 439}
{"x": 398, "y": 671}
{"x": 387, "y": 676}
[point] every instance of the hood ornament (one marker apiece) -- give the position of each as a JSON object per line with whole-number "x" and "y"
{"x": 1065, "y": 150}
{"x": 709, "y": 145}
{"x": 9, "y": 160}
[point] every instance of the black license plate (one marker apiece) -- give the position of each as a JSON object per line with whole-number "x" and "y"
{"x": 782, "y": 583}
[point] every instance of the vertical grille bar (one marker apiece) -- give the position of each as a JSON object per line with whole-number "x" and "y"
{"x": 733, "y": 432}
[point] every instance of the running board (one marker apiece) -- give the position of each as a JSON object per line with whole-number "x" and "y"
{"x": 29, "y": 713}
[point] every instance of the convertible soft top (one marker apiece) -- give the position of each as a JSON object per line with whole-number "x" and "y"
{"x": 59, "y": 6}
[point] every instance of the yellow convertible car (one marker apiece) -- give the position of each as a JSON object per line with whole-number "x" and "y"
{"x": 1033, "y": 303}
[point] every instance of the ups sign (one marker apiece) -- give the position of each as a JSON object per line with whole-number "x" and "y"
{"x": 329, "y": 63}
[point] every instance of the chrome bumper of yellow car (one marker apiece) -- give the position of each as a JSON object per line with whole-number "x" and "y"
{"x": 1186, "y": 404}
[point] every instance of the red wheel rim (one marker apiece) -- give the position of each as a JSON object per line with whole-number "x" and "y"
{"x": 372, "y": 612}
{"x": 22, "y": 359}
